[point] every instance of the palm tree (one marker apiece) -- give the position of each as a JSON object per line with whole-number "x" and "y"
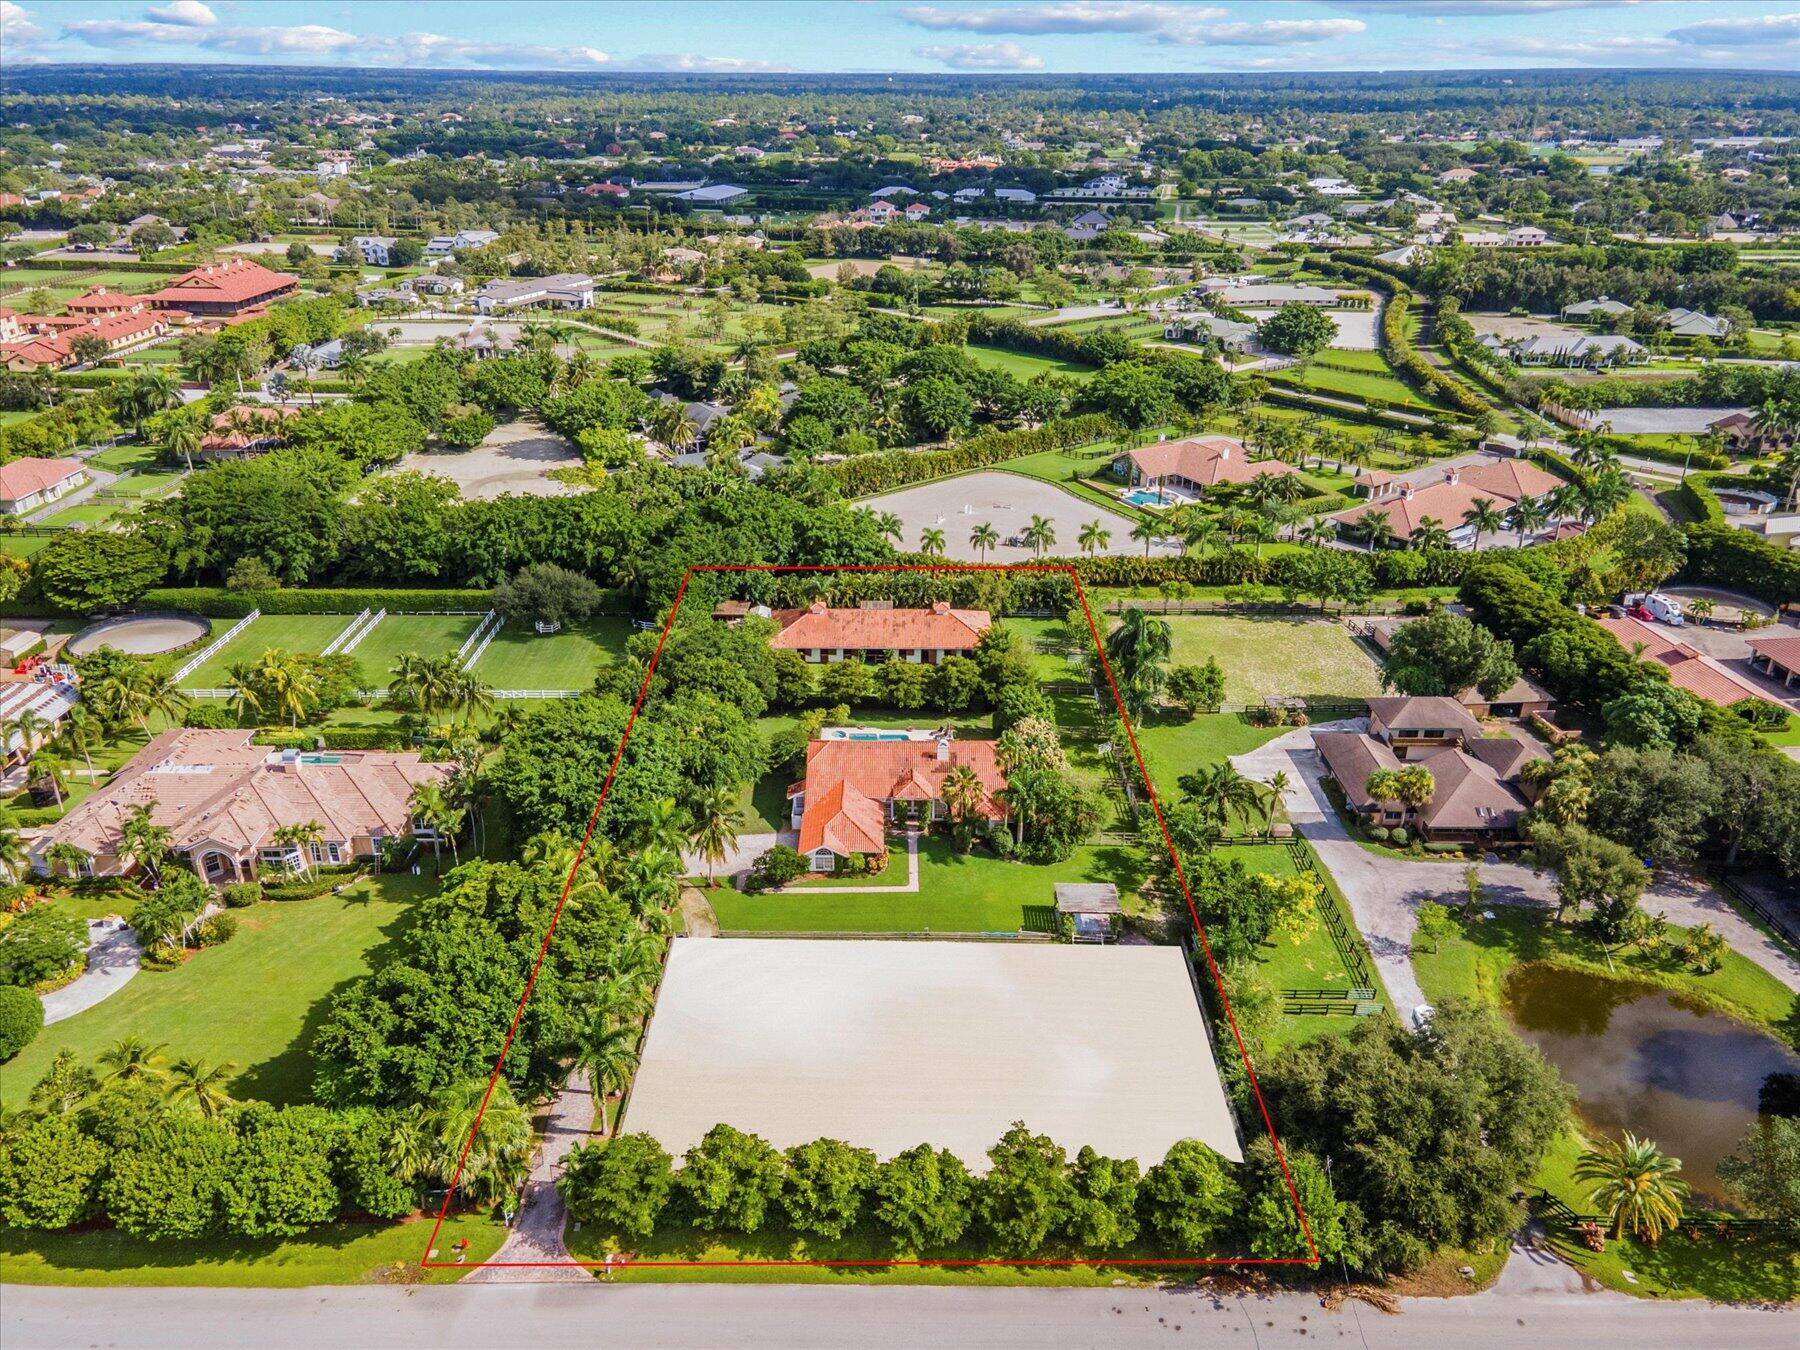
{"x": 144, "y": 841}
{"x": 1148, "y": 531}
{"x": 1137, "y": 650}
{"x": 963, "y": 793}
{"x": 983, "y": 537}
{"x": 300, "y": 837}
{"x": 888, "y": 525}
{"x": 1199, "y": 532}
{"x": 1563, "y": 502}
{"x": 183, "y": 436}
{"x": 1527, "y": 516}
{"x": 1636, "y": 1185}
{"x": 132, "y": 1060}
{"x": 931, "y": 542}
{"x": 62, "y": 856}
{"x": 1095, "y": 537}
{"x": 82, "y": 734}
{"x": 493, "y": 1144}
{"x": 1378, "y": 530}
{"x": 289, "y": 681}
{"x": 1278, "y": 784}
{"x": 717, "y": 819}
{"x": 1429, "y": 533}
{"x": 194, "y": 1081}
{"x": 1604, "y": 493}
{"x": 1414, "y": 787}
{"x": 1220, "y": 792}
{"x": 1039, "y": 535}
{"x": 673, "y": 426}
{"x": 607, "y": 1049}
{"x": 50, "y": 765}
{"x": 1264, "y": 530}
{"x": 433, "y": 809}
{"x": 1483, "y": 517}
{"x": 13, "y": 855}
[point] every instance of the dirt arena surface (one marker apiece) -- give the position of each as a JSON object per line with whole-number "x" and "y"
{"x": 1007, "y": 501}
{"x": 891, "y": 1044}
{"x": 144, "y": 635}
{"x": 517, "y": 457}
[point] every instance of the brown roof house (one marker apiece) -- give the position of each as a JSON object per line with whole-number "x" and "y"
{"x": 878, "y": 632}
{"x": 1187, "y": 468}
{"x": 27, "y": 484}
{"x": 1478, "y": 795}
{"x": 223, "y": 798}
{"x": 855, "y": 785}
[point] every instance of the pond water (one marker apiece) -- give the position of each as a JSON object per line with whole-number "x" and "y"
{"x": 1645, "y": 1060}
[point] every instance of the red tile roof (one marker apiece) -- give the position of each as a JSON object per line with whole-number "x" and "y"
{"x": 939, "y": 628}
{"x": 22, "y": 477}
{"x": 1205, "y": 460}
{"x": 1688, "y": 669}
{"x": 1782, "y": 648}
{"x": 241, "y": 281}
{"x": 99, "y": 300}
{"x": 847, "y": 783}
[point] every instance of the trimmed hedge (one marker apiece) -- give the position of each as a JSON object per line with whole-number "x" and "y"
{"x": 1698, "y": 498}
{"x": 1738, "y": 560}
{"x": 335, "y": 738}
{"x": 1698, "y": 459}
{"x": 215, "y": 602}
{"x": 866, "y": 475}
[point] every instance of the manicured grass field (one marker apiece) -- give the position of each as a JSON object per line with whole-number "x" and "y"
{"x": 1174, "y": 744}
{"x": 1025, "y": 366}
{"x": 23, "y": 545}
{"x": 1358, "y": 383}
{"x": 126, "y": 458}
{"x": 1275, "y": 655}
{"x": 289, "y": 632}
{"x": 958, "y": 893}
{"x": 144, "y": 483}
{"x": 346, "y": 1253}
{"x": 255, "y": 1001}
{"x": 520, "y": 658}
{"x": 420, "y": 634}
{"x": 88, "y": 513}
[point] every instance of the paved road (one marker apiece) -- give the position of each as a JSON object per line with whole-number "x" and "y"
{"x": 796, "y": 1317}
{"x": 112, "y": 960}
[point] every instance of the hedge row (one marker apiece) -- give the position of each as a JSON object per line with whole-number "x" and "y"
{"x": 1738, "y": 560}
{"x": 1700, "y": 500}
{"x": 864, "y": 475}
{"x": 215, "y": 602}
{"x": 1294, "y": 398}
{"x": 95, "y": 379}
{"x": 335, "y": 738}
{"x": 1288, "y": 383}
{"x": 1697, "y": 459}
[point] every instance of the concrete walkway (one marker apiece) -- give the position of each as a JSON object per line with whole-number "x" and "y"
{"x": 1385, "y": 893}
{"x": 113, "y": 957}
{"x": 911, "y": 886}
{"x": 739, "y": 859}
{"x": 537, "y": 1233}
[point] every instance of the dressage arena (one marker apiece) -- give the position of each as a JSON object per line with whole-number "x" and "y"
{"x": 1007, "y": 501}
{"x": 140, "y": 635}
{"x": 891, "y": 1044}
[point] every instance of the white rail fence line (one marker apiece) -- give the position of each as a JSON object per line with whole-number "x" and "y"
{"x": 482, "y": 646}
{"x": 376, "y": 695}
{"x": 340, "y": 639}
{"x": 536, "y": 693}
{"x": 468, "y": 642}
{"x": 201, "y": 657}
{"x": 356, "y": 641}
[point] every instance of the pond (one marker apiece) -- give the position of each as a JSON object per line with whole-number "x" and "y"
{"x": 1645, "y": 1060}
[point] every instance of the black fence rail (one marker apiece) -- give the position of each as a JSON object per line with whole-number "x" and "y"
{"x": 1343, "y": 936}
{"x": 1782, "y": 923}
{"x": 1358, "y": 1002}
{"x": 1701, "y": 1223}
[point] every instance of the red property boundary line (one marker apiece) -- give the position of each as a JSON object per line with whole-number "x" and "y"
{"x": 643, "y": 689}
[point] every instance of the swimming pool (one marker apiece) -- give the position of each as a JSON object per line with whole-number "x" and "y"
{"x": 874, "y": 734}
{"x": 1151, "y": 497}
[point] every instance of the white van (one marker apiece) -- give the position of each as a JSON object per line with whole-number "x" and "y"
{"x": 1662, "y": 608}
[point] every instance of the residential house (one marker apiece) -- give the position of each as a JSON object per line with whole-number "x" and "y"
{"x": 1691, "y": 323}
{"x": 224, "y": 289}
{"x": 223, "y": 799}
{"x": 1778, "y": 655}
{"x": 1199, "y": 326}
{"x": 1478, "y": 795}
{"x": 1241, "y": 292}
{"x": 1189, "y": 467}
{"x": 99, "y": 302}
{"x": 1408, "y": 503}
{"x": 1603, "y": 308}
{"x": 854, "y": 788}
{"x": 245, "y": 430}
{"x": 1745, "y": 434}
{"x": 564, "y": 290}
{"x": 432, "y": 284}
{"x": 1574, "y": 349}
{"x": 26, "y": 484}
{"x": 1522, "y": 698}
{"x": 876, "y": 632}
{"x": 376, "y": 249}
{"x": 1689, "y": 669}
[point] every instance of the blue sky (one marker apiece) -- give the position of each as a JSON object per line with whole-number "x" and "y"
{"x": 1002, "y": 36}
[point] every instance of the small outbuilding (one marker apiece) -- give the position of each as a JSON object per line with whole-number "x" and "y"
{"x": 1088, "y": 911}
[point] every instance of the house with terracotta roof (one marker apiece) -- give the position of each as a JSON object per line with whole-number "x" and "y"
{"x": 1408, "y": 503}
{"x": 224, "y": 289}
{"x": 245, "y": 430}
{"x": 855, "y": 787}
{"x": 1689, "y": 669}
{"x": 1478, "y": 794}
{"x": 27, "y": 484}
{"x": 223, "y": 799}
{"x": 1778, "y": 654}
{"x": 98, "y": 302}
{"x": 877, "y": 633}
{"x": 1189, "y": 467}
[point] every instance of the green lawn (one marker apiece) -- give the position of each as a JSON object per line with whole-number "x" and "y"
{"x": 254, "y": 1001}
{"x": 1024, "y": 366}
{"x": 1174, "y": 744}
{"x": 126, "y": 458}
{"x": 1788, "y": 735}
{"x": 289, "y": 632}
{"x": 1377, "y": 382}
{"x": 345, "y": 1253}
{"x": 398, "y": 634}
{"x": 974, "y": 893}
{"x": 1276, "y": 655}
{"x": 23, "y": 545}
{"x": 88, "y": 513}
{"x": 148, "y": 483}
{"x": 520, "y": 658}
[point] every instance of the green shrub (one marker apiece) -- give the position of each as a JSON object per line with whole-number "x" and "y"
{"x": 220, "y": 928}
{"x": 161, "y": 956}
{"x": 1443, "y": 846}
{"x": 242, "y": 894}
{"x": 1379, "y": 833}
{"x": 21, "y": 1018}
{"x": 209, "y": 714}
{"x": 1399, "y": 837}
{"x": 776, "y": 868}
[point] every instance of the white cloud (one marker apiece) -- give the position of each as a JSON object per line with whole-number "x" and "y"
{"x": 1478, "y": 7}
{"x": 1268, "y": 33}
{"x": 988, "y": 56}
{"x": 1762, "y": 31}
{"x": 16, "y": 27}
{"x": 184, "y": 13}
{"x": 1127, "y": 16}
{"x": 713, "y": 65}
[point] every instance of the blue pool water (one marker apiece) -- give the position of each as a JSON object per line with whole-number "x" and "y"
{"x": 876, "y": 736}
{"x": 1147, "y": 497}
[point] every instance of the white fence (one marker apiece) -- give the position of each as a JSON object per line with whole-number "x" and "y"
{"x": 482, "y": 646}
{"x": 463, "y": 660}
{"x": 356, "y": 640}
{"x": 201, "y": 657}
{"x": 340, "y": 639}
